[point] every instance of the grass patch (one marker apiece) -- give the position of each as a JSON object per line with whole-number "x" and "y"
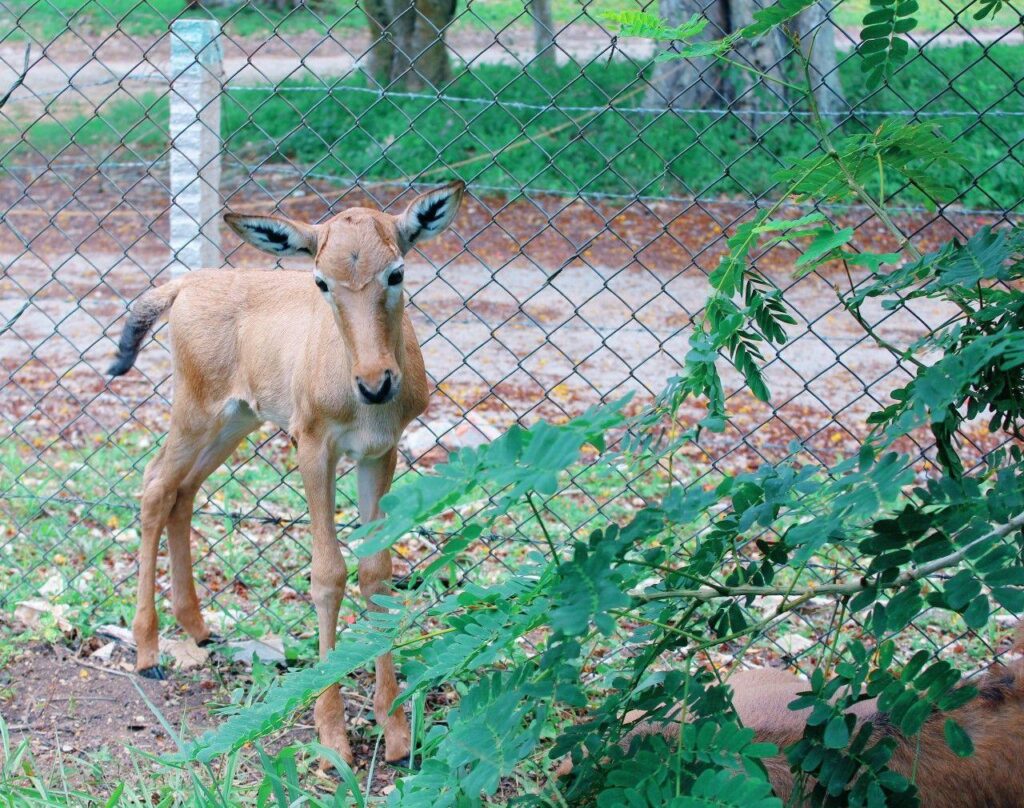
{"x": 554, "y": 142}
{"x": 73, "y": 534}
{"x": 45, "y": 20}
{"x": 347, "y": 131}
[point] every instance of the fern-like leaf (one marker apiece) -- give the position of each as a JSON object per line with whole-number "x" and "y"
{"x": 989, "y": 8}
{"x": 882, "y": 47}
{"x": 648, "y": 26}
{"x": 357, "y": 647}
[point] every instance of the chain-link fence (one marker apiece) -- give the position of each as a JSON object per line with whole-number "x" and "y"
{"x": 602, "y": 188}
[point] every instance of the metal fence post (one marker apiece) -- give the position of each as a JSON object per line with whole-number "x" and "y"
{"x": 196, "y": 71}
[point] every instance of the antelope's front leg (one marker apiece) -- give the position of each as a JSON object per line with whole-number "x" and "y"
{"x": 375, "y": 579}
{"x": 317, "y": 461}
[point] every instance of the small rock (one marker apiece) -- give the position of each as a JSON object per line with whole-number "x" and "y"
{"x": 793, "y": 644}
{"x": 642, "y": 587}
{"x": 53, "y": 586}
{"x": 104, "y": 652}
{"x": 268, "y": 649}
{"x": 218, "y": 621}
{"x": 423, "y": 437}
{"x": 118, "y": 633}
{"x": 767, "y": 604}
{"x": 185, "y": 653}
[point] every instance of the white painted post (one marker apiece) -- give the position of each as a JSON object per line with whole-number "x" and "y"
{"x": 196, "y": 72}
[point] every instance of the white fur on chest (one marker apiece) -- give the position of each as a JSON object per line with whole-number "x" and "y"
{"x": 371, "y": 435}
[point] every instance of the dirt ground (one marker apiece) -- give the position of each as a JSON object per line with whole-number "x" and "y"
{"x": 78, "y": 712}
{"x": 533, "y": 307}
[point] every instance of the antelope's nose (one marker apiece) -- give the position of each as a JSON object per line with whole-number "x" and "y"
{"x": 378, "y": 390}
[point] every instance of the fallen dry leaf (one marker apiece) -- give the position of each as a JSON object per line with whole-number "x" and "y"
{"x": 30, "y": 613}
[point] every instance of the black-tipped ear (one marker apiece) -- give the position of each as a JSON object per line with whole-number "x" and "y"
{"x": 429, "y": 214}
{"x": 274, "y": 234}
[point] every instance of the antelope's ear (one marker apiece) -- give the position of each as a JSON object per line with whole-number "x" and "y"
{"x": 274, "y": 234}
{"x": 429, "y": 214}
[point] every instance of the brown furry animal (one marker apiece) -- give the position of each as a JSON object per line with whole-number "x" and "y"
{"x": 327, "y": 355}
{"x": 990, "y": 778}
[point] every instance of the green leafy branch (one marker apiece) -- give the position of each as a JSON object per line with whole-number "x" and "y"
{"x": 882, "y": 46}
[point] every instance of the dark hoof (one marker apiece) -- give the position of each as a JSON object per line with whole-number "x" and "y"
{"x": 402, "y": 763}
{"x": 213, "y": 639}
{"x": 155, "y": 672}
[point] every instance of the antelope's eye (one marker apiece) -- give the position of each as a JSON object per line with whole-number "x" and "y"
{"x": 321, "y": 284}
{"x": 395, "y": 277}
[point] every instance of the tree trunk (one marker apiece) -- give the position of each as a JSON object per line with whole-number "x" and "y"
{"x": 543, "y": 33}
{"x": 750, "y": 92}
{"x": 408, "y": 47}
{"x": 690, "y": 83}
{"x": 815, "y": 29}
{"x": 702, "y": 83}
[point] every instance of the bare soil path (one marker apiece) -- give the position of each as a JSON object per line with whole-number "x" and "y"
{"x": 86, "y": 717}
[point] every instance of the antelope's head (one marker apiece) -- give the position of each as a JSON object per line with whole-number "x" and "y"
{"x": 359, "y": 265}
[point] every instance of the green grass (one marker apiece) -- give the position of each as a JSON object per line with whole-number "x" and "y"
{"x": 47, "y": 19}
{"x": 245, "y": 778}
{"x": 346, "y": 130}
{"x": 73, "y": 511}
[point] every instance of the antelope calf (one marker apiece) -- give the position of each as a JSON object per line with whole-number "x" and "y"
{"x": 990, "y": 778}
{"x": 330, "y": 357}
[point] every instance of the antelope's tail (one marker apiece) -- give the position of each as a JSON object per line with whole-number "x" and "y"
{"x": 144, "y": 312}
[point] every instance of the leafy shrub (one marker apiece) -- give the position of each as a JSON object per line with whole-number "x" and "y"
{"x": 676, "y": 581}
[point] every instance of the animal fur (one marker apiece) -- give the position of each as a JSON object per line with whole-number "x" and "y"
{"x": 990, "y": 778}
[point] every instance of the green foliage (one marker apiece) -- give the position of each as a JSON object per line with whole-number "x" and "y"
{"x": 988, "y": 8}
{"x": 361, "y": 644}
{"x": 882, "y": 45}
{"x": 893, "y": 153}
{"x": 958, "y": 740}
{"x": 648, "y": 26}
{"x": 519, "y": 462}
{"x": 981, "y": 369}
{"x": 526, "y": 656}
{"x": 347, "y": 130}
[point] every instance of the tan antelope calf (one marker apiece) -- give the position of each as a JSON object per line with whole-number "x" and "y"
{"x": 330, "y": 357}
{"x": 990, "y": 778}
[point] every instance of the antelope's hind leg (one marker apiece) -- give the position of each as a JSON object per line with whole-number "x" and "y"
{"x": 169, "y": 485}
{"x": 163, "y": 476}
{"x": 237, "y": 422}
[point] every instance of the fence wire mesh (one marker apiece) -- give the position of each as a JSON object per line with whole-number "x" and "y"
{"x": 602, "y": 189}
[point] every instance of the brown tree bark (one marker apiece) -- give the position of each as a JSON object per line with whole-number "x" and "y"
{"x": 689, "y": 83}
{"x": 751, "y": 93}
{"x": 818, "y": 41}
{"x": 543, "y": 32}
{"x": 703, "y": 83}
{"x": 408, "y": 47}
